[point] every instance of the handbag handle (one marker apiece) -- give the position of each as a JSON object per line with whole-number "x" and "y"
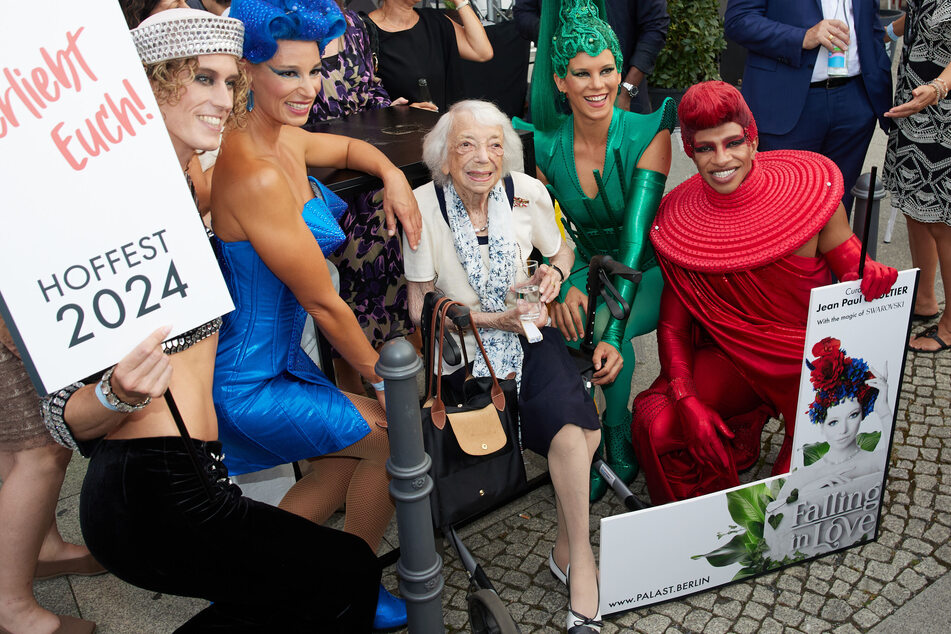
{"x": 438, "y": 408}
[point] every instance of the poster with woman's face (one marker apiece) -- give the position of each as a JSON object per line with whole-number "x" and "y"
{"x": 848, "y": 391}
{"x": 852, "y": 367}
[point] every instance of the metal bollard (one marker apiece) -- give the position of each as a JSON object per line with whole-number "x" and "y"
{"x": 861, "y": 193}
{"x": 419, "y": 566}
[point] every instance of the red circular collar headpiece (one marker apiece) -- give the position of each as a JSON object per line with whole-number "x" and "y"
{"x": 787, "y": 197}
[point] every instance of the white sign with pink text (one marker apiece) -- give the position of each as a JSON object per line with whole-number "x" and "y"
{"x": 101, "y": 240}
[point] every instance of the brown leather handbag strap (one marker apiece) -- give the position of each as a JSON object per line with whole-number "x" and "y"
{"x": 437, "y": 409}
{"x": 498, "y": 397}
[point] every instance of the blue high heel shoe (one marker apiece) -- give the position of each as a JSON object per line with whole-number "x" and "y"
{"x": 390, "y": 611}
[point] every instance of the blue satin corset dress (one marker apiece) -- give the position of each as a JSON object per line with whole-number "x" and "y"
{"x": 274, "y": 405}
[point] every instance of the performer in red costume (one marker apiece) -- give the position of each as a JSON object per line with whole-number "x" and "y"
{"x": 740, "y": 245}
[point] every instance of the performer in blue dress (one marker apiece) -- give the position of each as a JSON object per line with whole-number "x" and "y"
{"x": 274, "y": 227}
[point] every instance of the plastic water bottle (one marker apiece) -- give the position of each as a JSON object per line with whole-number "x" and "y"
{"x": 838, "y": 66}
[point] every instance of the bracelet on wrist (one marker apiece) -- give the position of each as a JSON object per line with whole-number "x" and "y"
{"x": 942, "y": 86}
{"x": 890, "y": 31}
{"x": 378, "y": 386}
{"x": 53, "y": 407}
{"x": 561, "y": 273}
{"x": 463, "y": 3}
{"x": 111, "y": 401}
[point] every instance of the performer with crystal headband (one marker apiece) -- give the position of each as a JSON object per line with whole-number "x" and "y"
{"x": 607, "y": 168}
{"x": 741, "y": 244}
{"x": 157, "y": 508}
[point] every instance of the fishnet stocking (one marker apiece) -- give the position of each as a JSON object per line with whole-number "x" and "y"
{"x": 355, "y": 474}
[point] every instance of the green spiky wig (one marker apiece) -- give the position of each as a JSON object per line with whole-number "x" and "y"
{"x": 568, "y": 27}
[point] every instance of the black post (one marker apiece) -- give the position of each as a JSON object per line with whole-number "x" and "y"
{"x": 869, "y": 211}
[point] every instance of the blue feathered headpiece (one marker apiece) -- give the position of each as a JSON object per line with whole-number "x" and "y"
{"x": 267, "y": 21}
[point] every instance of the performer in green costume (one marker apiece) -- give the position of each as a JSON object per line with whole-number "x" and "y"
{"x": 607, "y": 169}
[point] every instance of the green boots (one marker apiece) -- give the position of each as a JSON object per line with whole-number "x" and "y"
{"x": 618, "y": 452}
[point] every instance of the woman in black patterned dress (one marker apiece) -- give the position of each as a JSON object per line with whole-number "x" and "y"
{"x": 918, "y": 159}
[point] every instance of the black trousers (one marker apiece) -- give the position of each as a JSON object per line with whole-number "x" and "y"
{"x": 147, "y": 517}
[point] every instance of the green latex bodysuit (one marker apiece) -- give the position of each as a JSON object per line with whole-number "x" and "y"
{"x": 616, "y": 222}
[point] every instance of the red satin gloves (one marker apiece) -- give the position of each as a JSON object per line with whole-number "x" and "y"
{"x": 702, "y": 427}
{"x": 877, "y": 278}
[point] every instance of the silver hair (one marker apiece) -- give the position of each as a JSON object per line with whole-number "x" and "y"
{"x": 436, "y": 141}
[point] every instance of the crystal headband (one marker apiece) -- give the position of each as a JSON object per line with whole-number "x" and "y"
{"x": 181, "y": 33}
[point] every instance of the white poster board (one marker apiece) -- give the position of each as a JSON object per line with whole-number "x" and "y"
{"x": 820, "y": 507}
{"x": 101, "y": 241}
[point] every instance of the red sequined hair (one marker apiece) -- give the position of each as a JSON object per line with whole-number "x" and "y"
{"x": 709, "y": 104}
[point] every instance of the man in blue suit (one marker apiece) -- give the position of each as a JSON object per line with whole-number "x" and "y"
{"x": 797, "y": 105}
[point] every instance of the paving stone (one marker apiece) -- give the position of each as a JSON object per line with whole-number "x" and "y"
{"x": 704, "y": 600}
{"x": 755, "y": 610}
{"x": 918, "y": 546}
{"x": 815, "y": 625}
{"x": 746, "y": 625}
{"x": 787, "y": 616}
{"x": 771, "y": 626}
{"x": 788, "y": 582}
{"x": 738, "y": 591}
{"x": 836, "y": 610}
{"x": 930, "y": 568}
{"x": 881, "y": 606}
{"x": 696, "y": 619}
{"x": 674, "y": 610}
{"x": 880, "y": 571}
{"x": 763, "y": 595}
{"x": 652, "y": 623}
{"x": 877, "y": 552}
{"x": 718, "y": 625}
{"x": 865, "y": 618}
{"x": 848, "y": 628}
{"x": 915, "y": 527}
{"x": 821, "y": 570}
{"x": 818, "y": 586}
{"x": 944, "y": 553}
{"x": 847, "y": 575}
{"x": 728, "y": 608}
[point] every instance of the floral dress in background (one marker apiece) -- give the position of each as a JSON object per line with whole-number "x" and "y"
{"x": 369, "y": 261}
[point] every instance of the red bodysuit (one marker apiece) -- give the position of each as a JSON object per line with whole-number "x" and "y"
{"x": 733, "y": 315}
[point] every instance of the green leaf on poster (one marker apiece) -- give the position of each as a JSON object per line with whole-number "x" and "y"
{"x": 868, "y": 441}
{"x": 734, "y": 551}
{"x": 812, "y": 452}
{"x": 775, "y": 520}
{"x": 747, "y": 506}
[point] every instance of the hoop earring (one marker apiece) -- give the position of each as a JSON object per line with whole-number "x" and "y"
{"x": 250, "y": 105}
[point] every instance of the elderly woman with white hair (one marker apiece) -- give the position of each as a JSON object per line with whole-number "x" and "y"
{"x": 474, "y": 252}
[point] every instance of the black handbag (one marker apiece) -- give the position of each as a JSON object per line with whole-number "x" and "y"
{"x": 476, "y": 458}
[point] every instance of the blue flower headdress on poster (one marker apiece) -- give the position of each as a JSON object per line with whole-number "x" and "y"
{"x": 837, "y": 377}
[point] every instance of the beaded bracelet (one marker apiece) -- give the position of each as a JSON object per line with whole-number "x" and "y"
{"x": 52, "y": 407}
{"x": 937, "y": 81}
